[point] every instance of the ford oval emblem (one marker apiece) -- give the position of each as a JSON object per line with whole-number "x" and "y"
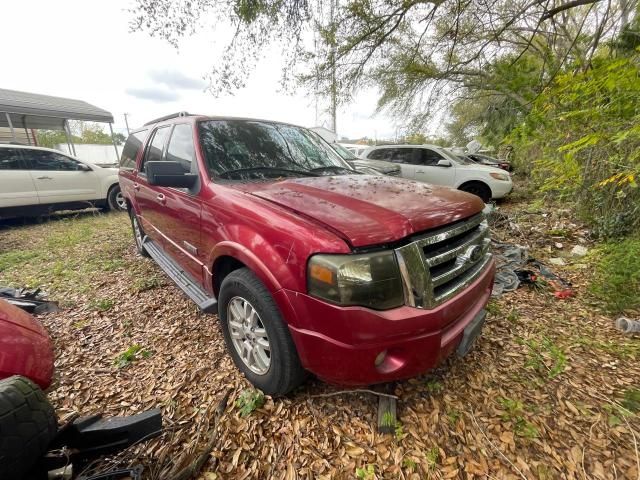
{"x": 471, "y": 255}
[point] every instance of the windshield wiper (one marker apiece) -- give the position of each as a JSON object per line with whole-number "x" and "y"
{"x": 333, "y": 168}
{"x": 285, "y": 171}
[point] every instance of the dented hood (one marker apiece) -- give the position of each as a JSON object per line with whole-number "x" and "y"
{"x": 369, "y": 210}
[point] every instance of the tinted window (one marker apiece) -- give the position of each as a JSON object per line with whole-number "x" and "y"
{"x": 242, "y": 149}
{"x": 181, "y": 148}
{"x": 430, "y": 157}
{"x": 10, "y": 159}
{"x": 42, "y": 160}
{"x": 403, "y": 155}
{"x": 380, "y": 154}
{"x": 156, "y": 147}
{"x": 131, "y": 148}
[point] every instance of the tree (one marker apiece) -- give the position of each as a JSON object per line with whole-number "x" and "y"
{"x": 420, "y": 54}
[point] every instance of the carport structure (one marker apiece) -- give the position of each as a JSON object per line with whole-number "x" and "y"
{"x": 22, "y": 110}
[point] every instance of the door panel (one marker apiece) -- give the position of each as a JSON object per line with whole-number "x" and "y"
{"x": 17, "y": 188}
{"x": 149, "y": 198}
{"x": 428, "y": 172}
{"x": 58, "y": 179}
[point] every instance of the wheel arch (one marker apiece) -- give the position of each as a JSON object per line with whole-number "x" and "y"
{"x": 476, "y": 181}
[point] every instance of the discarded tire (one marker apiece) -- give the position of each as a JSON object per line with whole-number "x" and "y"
{"x": 27, "y": 426}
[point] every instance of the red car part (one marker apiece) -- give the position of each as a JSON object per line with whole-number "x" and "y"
{"x": 25, "y": 347}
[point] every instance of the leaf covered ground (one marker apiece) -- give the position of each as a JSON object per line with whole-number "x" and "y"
{"x": 549, "y": 390}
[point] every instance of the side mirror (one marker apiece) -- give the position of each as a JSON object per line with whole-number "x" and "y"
{"x": 443, "y": 163}
{"x": 169, "y": 174}
{"x": 84, "y": 168}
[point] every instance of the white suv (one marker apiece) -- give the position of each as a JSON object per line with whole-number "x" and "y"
{"x": 35, "y": 181}
{"x": 432, "y": 164}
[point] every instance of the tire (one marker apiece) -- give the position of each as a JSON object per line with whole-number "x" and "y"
{"x": 284, "y": 372}
{"x": 115, "y": 199}
{"x": 480, "y": 189}
{"x": 27, "y": 426}
{"x": 138, "y": 233}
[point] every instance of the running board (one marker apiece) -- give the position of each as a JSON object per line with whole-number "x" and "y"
{"x": 182, "y": 279}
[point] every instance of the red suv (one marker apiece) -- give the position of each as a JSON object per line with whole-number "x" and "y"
{"x": 311, "y": 266}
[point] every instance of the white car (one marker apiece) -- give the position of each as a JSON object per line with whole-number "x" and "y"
{"x": 36, "y": 181}
{"x": 432, "y": 164}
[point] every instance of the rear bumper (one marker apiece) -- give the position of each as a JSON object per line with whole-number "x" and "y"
{"x": 340, "y": 344}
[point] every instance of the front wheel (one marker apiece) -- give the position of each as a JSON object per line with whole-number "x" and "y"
{"x": 256, "y": 335}
{"x": 138, "y": 234}
{"x": 479, "y": 189}
{"x": 116, "y": 200}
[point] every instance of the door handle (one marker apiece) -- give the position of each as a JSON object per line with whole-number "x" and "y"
{"x": 161, "y": 198}
{"x": 420, "y": 171}
{"x": 136, "y": 186}
{"x": 44, "y": 178}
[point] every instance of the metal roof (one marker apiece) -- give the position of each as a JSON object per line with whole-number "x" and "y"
{"x": 32, "y": 110}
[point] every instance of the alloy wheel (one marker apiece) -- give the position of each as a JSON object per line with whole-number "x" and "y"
{"x": 248, "y": 335}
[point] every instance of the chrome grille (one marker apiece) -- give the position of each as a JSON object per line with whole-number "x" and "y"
{"x": 438, "y": 265}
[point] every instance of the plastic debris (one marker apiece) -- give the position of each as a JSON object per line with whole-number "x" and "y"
{"x": 579, "y": 251}
{"x": 626, "y": 325}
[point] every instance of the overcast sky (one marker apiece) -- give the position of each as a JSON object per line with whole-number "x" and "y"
{"x": 83, "y": 49}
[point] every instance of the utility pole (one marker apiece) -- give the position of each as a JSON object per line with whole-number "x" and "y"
{"x": 126, "y": 122}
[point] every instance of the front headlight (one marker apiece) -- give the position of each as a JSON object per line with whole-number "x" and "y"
{"x": 369, "y": 280}
{"x": 501, "y": 176}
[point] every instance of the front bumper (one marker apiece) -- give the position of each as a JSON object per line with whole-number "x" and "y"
{"x": 501, "y": 189}
{"x": 340, "y": 344}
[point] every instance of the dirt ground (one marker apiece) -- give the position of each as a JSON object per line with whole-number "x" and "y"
{"x": 539, "y": 397}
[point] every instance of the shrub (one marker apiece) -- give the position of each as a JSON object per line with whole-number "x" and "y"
{"x": 616, "y": 280}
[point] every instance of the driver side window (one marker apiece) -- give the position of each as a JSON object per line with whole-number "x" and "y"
{"x": 155, "y": 148}
{"x": 430, "y": 157}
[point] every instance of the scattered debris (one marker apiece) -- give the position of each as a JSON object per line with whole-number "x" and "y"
{"x": 626, "y": 325}
{"x": 559, "y": 262}
{"x": 579, "y": 251}
{"x": 28, "y": 300}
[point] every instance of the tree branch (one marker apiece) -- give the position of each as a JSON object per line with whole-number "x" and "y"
{"x": 565, "y": 6}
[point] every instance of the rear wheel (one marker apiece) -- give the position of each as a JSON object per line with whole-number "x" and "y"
{"x": 27, "y": 426}
{"x": 116, "y": 200}
{"x": 138, "y": 234}
{"x": 477, "y": 188}
{"x": 256, "y": 335}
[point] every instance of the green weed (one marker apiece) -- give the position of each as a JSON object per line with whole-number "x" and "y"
{"x": 432, "y": 456}
{"x": 366, "y": 473}
{"x": 545, "y": 357}
{"x": 514, "y": 413}
{"x": 249, "y": 401}
{"x": 146, "y": 283}
{"x": 409, "y": 464}
{"x": 102, "y": 305}
{"x": 130, "y": 355}
{"x": 434, "y": 386}
{"x": 493, "y": 308}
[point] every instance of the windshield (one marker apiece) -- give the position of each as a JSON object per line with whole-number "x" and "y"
{"x": 343, "y": 152}
{"x": 464, "y": 159}
{"x": 251, "y": 149}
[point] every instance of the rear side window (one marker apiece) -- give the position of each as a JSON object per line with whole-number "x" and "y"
{"x": 181, "y": 148}
{"x": 10, "y": 159}
{"x": 49, "y": 161}
{"x": 131, "y": 149}
{"x": 380, "y": 154}
{"x": 156, "y": 147}
{"x": 403, "y": 155}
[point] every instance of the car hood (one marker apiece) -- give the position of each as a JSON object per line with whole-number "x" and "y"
{"x": 368, "y": 210}
{"x": 480, "y": 168}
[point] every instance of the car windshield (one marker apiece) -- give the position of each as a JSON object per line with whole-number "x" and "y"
{"x": 343, "y": 152}
{"x": 464, "y": 159}
{"x": 252, "y": 149}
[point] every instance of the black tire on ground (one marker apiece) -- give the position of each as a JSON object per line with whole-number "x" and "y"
{"x": 27, "y": 426}
{"x": 115, "y": 200}
{"x": 480, "y": 189}
{"x": 285, "y": 371}
{"x": 138, "y": 233}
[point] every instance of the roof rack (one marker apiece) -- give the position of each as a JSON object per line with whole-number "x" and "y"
{"x": 167, "y": 117}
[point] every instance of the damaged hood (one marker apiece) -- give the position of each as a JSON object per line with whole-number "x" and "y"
{"x": 368, "y": 210}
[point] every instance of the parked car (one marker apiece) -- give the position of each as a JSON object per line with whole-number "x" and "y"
{"x": 358, "y": 279}
{"x": 366, "y": 166}
{"x": 353, "y": 148}
{"x": 36, "y": 181}
{"x": 489, "y": 161}
{"x": 438, "y": 166}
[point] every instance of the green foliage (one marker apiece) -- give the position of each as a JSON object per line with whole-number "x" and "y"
{"x": 432, "y": 456}
{"x": 366, "y": 473}
{"x": 616, "y": 279}
{"x": 545, "y": 357}
{"x": 91, "y": 133}
{"x": 514, "y": 413}
{"x": 408, "y": 464}
{"x": 130, "y": 355}
{"x": 103, "y": 304}
{"x": 434, "y": 386}
{"x": 581, "y": 142}
{"x": 249, "y": 401}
